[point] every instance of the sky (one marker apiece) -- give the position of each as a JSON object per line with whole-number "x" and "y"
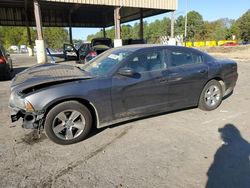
{"x": 210, "y": 10}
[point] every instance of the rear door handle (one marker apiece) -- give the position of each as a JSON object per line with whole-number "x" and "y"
{"x": 202, "y": 71}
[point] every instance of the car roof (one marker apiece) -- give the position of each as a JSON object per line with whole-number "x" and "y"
{"x": 135, "y": 47}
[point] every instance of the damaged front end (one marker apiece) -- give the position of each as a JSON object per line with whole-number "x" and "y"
{"x": 22, "y": 108}
{"x": 27, "y": 86}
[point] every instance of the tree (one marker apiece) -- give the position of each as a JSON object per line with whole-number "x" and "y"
{"x": 126, "y": 31}
{"x": 152, "y": 31}
{"x": 15, "y": 35}
{"x": 55, "y": 37}
{"x": 194, "y": 25}
{"x": 180, "y": 25}
{"x": 234, "y": 30}
{"x": 243, "y": 24}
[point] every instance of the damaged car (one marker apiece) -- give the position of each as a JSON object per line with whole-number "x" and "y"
{"x": 120, "y": 84}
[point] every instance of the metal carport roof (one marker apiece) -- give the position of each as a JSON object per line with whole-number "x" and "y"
{"x": 83, "y": 13}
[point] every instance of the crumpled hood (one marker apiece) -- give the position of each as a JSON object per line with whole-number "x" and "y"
{"x": 47, "y": 73}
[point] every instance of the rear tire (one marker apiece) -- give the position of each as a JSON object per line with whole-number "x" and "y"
{"x": 68, "y": 123}
{"x": 211, "y": 96}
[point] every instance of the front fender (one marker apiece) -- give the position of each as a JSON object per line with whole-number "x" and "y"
{"x": 95, "y": 92}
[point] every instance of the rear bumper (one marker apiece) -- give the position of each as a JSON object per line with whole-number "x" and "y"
{"x": 3, "y": 68}
{"x": 230, "y": 83}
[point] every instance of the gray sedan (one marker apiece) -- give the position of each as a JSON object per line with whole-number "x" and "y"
{"x": 121, "y": 84}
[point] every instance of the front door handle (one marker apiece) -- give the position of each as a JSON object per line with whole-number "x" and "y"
{"x": 173, "y": 74}
{"x": 162, "y": 80}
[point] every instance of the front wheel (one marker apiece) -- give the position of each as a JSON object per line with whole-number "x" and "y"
{"x": 211, "y": 96}
{"x": 68, "y": 123}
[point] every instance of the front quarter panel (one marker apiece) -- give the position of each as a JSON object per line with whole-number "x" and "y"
{"x": 96, "y": 91}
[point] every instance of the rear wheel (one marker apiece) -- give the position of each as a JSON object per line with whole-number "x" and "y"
{"x": 211, "y": 96}
{"x": 68, "y": 122}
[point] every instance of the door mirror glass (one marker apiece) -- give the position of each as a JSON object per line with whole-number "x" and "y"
{"x": 126, "y": 71}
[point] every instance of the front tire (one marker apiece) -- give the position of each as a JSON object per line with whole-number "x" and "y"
{"x": 68, "y": 123}
{"x": 211, "y": 96}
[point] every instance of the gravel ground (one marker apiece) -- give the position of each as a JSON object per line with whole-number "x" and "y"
{"x": 180, "y": 149}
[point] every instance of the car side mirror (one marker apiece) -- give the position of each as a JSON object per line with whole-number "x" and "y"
{"x": 126, "y": 71}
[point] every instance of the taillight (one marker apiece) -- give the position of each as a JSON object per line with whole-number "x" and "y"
{"x": 2, "y": 60}
{"x": 92, "y": 54}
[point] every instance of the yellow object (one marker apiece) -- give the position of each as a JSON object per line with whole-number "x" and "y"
{"x": 211, "y": 43}
{"x": 208, "y": 43}
{"x": 199, "y": 44}
{"x": 188, "y": 44}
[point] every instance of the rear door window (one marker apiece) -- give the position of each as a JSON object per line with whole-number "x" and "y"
{"x": 182, "y": 58}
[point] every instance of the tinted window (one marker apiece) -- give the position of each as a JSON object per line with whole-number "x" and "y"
{"x": 179, "y": 58}
{"x": 147, "y": 61}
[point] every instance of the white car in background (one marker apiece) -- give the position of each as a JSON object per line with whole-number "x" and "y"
{"x": 23, "y": 49}
{"x": 14, "y": 48}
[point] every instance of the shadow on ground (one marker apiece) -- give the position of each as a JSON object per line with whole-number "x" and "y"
{"x": 13, "y": 73}
{"x": 231, "y": 165}
{"x": 17, "y": 70}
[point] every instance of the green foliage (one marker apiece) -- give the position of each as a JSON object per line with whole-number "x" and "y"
{"x": 15, "y": 35}
{"x": 180, "y": 25}
{"x": 55, "y": 37}
{"x": 213, "y": 30}
{"x": 152, "y": 31}
{"x": 234, "y": 30}
{"x": 243, "y": 24}
{"x": 197, "y": 29}
{"x": 194, "y": 25}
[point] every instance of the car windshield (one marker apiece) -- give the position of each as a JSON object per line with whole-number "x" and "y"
{"x": 104, "y": 63}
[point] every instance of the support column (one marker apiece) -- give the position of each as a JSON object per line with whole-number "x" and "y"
{"x": 70, "y": 35}
{"x": 30, "y": 45}
{"x": 117, "y": 40}
{"x": 186, "y": 20}
{"x": 141, "y": 32}
{"x": 40, "y": 46}
{"x": 70, "y": 29}
{"x": 172, "y": 40}
{"x": 172, "y": 24}
{"x": 104, "y": 32}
